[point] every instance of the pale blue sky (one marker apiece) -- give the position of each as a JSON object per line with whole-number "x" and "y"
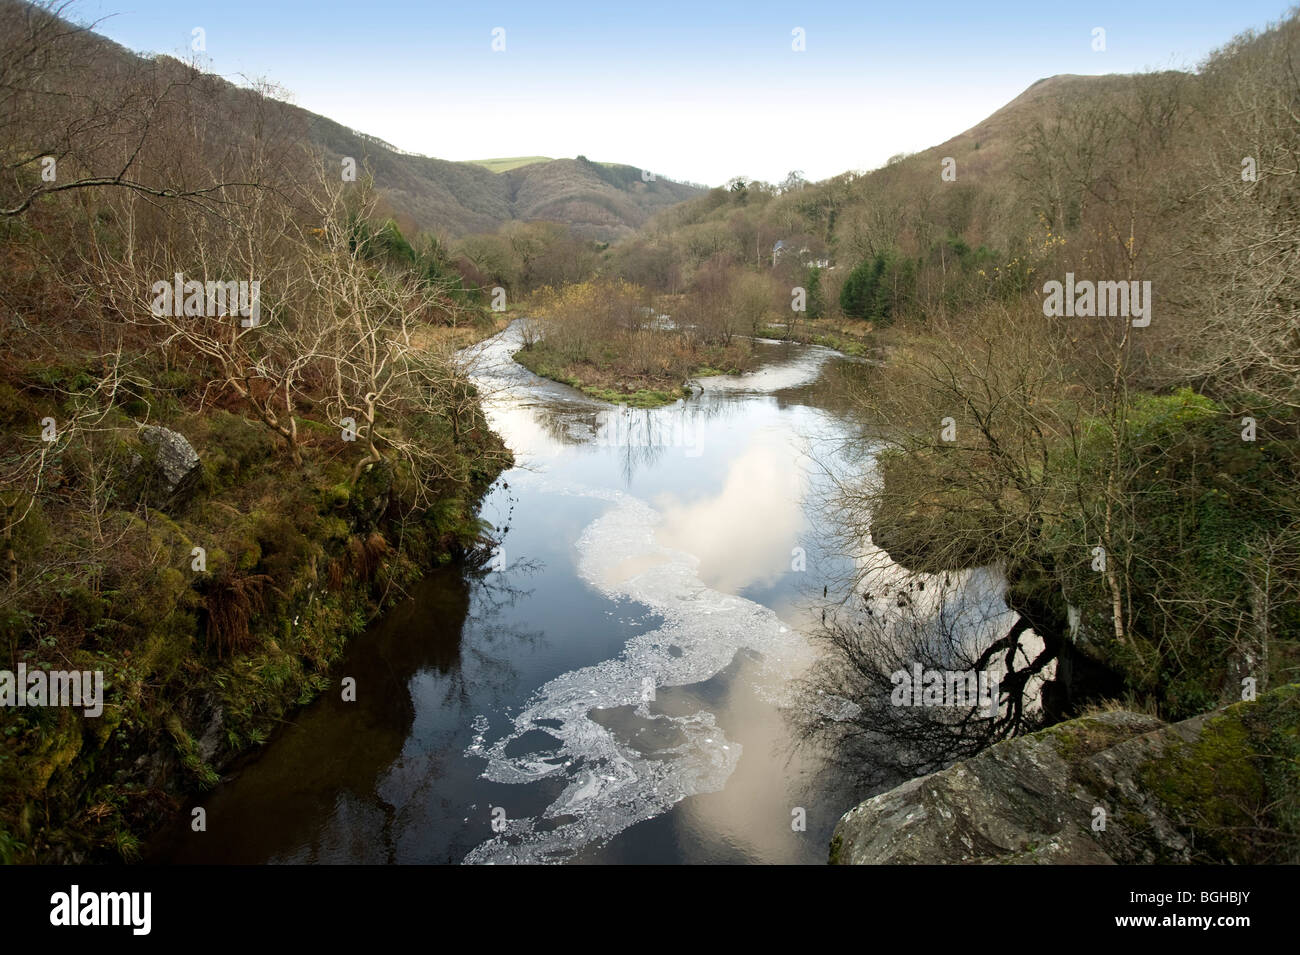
{"x": 689, "y": 90}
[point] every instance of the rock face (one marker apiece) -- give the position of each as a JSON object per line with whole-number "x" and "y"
{"x": 1024, "y": 800}
{"x": 173, "y": 468}
{"x": 1187, "y": 792}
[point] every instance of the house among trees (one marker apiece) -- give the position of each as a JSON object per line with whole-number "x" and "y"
{"x": 778, "y": 250}
{"x": 807, "y": 257}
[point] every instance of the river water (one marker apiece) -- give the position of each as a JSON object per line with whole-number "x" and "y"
{"x": 610, "y": 691}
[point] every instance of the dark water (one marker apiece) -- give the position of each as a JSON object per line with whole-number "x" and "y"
{"x": 611, "y": 690}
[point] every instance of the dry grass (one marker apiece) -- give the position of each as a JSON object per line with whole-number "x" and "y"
{"x": 231, "y": 604}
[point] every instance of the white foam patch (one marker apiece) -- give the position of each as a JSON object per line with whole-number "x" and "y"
{"x": 612, "y": 784}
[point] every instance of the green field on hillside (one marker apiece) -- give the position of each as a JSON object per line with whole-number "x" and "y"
{"x": 505, "y": 165}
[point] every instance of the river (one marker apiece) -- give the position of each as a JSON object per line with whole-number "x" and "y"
{"x": 611, "y": 689}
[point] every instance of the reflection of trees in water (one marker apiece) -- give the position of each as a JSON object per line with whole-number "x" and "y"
{"x": 432, "y": 777}
{"x": 640, "y": 436}
{"x": 399, "y": 779}
{"x": 877, "y": 618}
{"x": 831, "y": 391}
{"x": 568, "y": 425}
{"x": 494, "y": 593}
{"x": 426, "y": 633}
{"x": 315, "y": 792}
{"x": 847, "y": 700}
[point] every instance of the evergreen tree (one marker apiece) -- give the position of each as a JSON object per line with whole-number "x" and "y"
{"x": 855, "y": 295}
{"x": 816, "y": 300}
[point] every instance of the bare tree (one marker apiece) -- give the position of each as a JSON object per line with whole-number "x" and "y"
{"x": 1240, "y": 330}
{"x": 380, "y": 375}
{"x": 77, "y": 115}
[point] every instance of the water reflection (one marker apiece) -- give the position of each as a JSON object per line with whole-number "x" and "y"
{"x": 313, "y": 799}
{"x": 747, "y": 533}
{"x": 669, "y": 545}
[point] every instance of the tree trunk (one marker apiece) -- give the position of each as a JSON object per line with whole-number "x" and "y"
{"x": 10, "y": 557}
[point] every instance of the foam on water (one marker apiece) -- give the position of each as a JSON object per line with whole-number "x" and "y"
{"x": 611, "y": 783}
{"x": 611, "y": 777}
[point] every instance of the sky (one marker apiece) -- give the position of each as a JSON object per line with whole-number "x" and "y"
{"x": 690, "y": 91}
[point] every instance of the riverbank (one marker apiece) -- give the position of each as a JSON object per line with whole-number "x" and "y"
{"x": 446, "y": 339}
{"x": 1167, "y": 621}
{"x": 604, "y": 339}
{"x": 253, "y": 585}
{"x": 847, "y": 336}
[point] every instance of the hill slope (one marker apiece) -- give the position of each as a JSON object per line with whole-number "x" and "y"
{"x": 459, "y": 198}
{"x": 452, "y": 199}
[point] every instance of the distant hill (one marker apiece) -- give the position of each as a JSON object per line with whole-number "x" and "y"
{"x": 599, "y": 201}
{"x": 989, "y": 148}
{"x": 852, "y": 215}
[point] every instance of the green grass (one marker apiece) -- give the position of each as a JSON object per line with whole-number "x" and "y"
{"x": 506, "y": 164}
{"x": 846, "y": 346}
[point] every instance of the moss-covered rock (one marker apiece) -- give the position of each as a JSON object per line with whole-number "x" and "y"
{"x": 1114, "y": 787}
{"x": 1236, "y": 787}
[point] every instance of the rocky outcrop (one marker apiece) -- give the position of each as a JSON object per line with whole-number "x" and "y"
{"x": 168, "y": 469}
{"x": 1113, "y": 788}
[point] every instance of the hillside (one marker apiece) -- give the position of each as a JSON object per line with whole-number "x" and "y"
{"x": 947, "y": 229}
{"x": 837, "y": 213}
{"x": 450, "y": 199}
{"x": 460, "y": 198}
{"x": 243, "y": 530}
{"x": 989, "y": 148}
